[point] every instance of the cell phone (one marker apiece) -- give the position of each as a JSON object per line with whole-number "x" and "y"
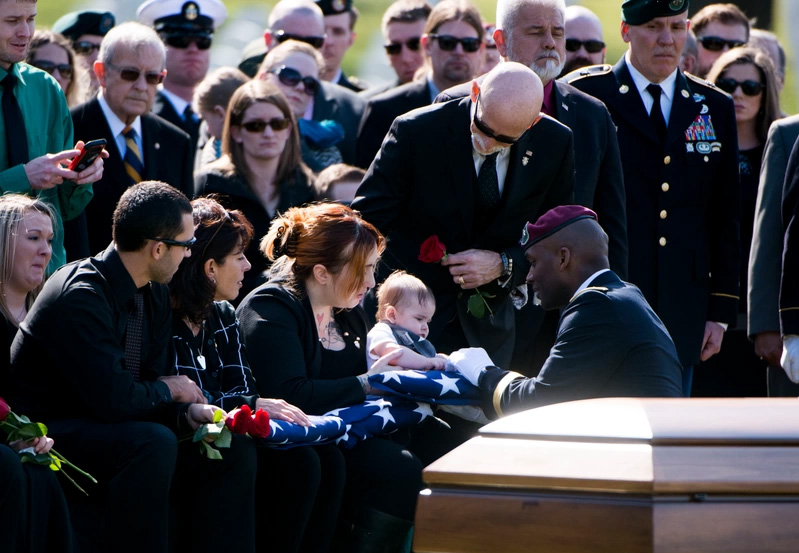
{"x": 87, "y": 155}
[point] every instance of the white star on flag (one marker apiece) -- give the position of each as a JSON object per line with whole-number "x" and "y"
{"x": 447, "y": 384}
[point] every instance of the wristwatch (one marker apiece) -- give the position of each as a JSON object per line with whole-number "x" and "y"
{"x": 507, "y": 266}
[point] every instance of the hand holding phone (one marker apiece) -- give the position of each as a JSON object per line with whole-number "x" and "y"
{"x": 87, "y": 155}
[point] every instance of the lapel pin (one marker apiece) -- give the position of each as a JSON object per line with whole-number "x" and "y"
{"x": 704, "y": 108}
{"x": 624, "y": 89}
{"x": 698, "y": 98}
{"x": 157, "y": 146}
{"x": 685, "y": 93}
{"x": 564, "y": 106}
{"x": 528, "y": 152}
{"x": 525, "y": 161}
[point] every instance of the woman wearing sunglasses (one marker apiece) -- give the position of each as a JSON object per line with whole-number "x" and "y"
{"x": 747, "y": 74}
{"x": 53, "y": 53}
{"x": 294, "y": 66}
{"x": 260, "y": 172}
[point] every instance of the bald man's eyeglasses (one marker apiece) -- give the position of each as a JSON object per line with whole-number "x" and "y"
{"x": 315, "y": 41}
{"x": 591, "y": 46}
{"x": 394, "y": 48}
{"x": 132, "y": 75}
{"x": 486, "y": 130}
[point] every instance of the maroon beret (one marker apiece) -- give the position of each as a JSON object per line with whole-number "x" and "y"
{"x": 552, "y": 221}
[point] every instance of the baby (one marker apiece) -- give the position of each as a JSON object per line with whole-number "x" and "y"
{"x": 404, "y": 309}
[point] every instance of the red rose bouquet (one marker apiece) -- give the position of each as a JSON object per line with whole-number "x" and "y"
{"x": 20, "y": 427}
{"x": 244, "y": 421}
{"x": 220, "y": 432}
{"x": 433, "y": 250}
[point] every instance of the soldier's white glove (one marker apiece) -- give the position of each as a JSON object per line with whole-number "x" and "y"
{"x": 790, "y": 357}
{"x": 470, "y": 362}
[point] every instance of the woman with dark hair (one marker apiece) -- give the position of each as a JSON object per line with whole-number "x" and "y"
{"x": 308, "y": 480}
{"x": 53, "y": 53}
{"x": 260, "y": 173}
{"x": 305, "y": 332}
{"x": 748, "y": 75}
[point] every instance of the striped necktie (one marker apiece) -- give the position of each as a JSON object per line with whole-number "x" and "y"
{"x": 133, "y": 164}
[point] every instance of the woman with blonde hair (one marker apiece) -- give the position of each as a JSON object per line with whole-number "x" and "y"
{"x": 260, "y": 172}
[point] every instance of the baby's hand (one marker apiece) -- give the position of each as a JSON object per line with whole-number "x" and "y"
{"x": 438, "y": 363}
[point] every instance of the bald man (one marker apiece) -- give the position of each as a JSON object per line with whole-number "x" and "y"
{"x": 609, "y": 344}
{"x": 471, "y": 172}
{"x": 584, "y": 45}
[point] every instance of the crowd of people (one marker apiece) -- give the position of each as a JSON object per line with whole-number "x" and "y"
{"x": 258, "y": 238}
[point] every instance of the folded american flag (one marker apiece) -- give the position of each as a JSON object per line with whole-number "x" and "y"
{"x": 286, "y": 435}
{"x": 377, "y": 416}
{"x": 434, "y": 387}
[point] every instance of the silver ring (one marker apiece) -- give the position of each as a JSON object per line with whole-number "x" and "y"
{"x": 460, "y": 279}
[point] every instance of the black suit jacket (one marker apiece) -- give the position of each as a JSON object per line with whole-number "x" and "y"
{"x": 599, "y": 180}
{"x": 610, "y": 344}
{"x": 789, "y": 284}
{"x": 168, "y": 157}
{"x": 335, "y": 102}
{"x": 381, "y": 111}
{"x": 683, "y": 200}
{"x": 423, "y": 182}
{"x": 164, "y": 109}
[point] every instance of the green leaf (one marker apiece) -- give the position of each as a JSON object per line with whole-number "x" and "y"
{"x": 32, "y": 430}
{"x": 476, "y": 306}
{"x": 44, "y": 459}
{"x": 210, "y": 452}
{"x": 218, "y": 415}
{"x": 224, "y": 438}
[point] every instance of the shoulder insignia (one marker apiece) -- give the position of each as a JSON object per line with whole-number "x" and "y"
{"x": 602, "y": 289}
{"x": 700, "y": 81}
{"x": 590, "y": 71}
{"x": 358, "y": 83}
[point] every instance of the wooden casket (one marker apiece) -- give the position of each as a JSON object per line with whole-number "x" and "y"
{"x": 621, "y": 475}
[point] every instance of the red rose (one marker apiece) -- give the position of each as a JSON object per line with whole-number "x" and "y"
{"x": 432, "y": 250}
{"x": 4, "y": 409}
{"x": 241, "y": 421}
{"x": 260, "y": 425}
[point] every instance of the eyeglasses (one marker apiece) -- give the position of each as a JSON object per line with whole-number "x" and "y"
{"x": 132, "y": 75}
{"x": 750, "y": 88}
{"x": 591, "y": 46}
{"x": 183, "y": 41}
{"x": 84, "y": 47}
{"x": 394, "y": 48}
{"x": 486, "y": 130}
{"x": 64, "y": 69}
{"x": 315, "y": 41}
{"x": 169, "y": 242}
{"x": 292, "y": 77}
{"x": 258, "y": 125}
{"x": 717, "y": 44}
{"x": 449, "y": 43}
{"x": 221, "y": 223}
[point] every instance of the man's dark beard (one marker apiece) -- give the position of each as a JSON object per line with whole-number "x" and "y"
{"x": 575, "y": 63}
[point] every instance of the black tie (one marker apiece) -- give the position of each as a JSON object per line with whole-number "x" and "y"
{"x": 133, "y": 336}
{"x": 190, "y": 123}
{"x": 656, "y": 115}
{"x": 16, "y": 137}
{"x": 488, "y": 183}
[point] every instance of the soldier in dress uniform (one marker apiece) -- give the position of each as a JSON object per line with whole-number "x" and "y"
{"x": 679, "y": 149}
{"x": 187, "y": 29}
{"x": 340, "y": 18}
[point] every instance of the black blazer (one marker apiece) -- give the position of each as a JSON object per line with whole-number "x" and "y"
{"x": 599, "y": 181}
{"x": 789, "y": 284}
{"x": 683, "y": 200}
{"x": 335, "y": 102}
{"x": 164, "y": 109}
{"x": 168, "y": 158}
{"x": 381, "y": 111}
{"x": 423, "y": 182}
{"x": 610, "y": 344}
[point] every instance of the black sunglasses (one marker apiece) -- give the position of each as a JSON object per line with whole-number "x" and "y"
{"x": 716, "y": 43}
{"x": 394, "y": 48}
{"x": 64, "y": 68}
{"x": 132, "y": 75}
{"x": 315, "y": 41}
{"x": 169, "y": 242}
{"x": 750, "y": 88}
{"x": 449, "y": 43}
{"x": 591, "y": 46}
{"x": 183, "y": 41}
{"x": 292, "y": 77}
{"x": 258, "y": 125}
{"x": 84, "y": 47}
{"x": 486, "y": 130}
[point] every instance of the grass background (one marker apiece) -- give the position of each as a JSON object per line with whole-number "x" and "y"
{"x": 361, "y": 58}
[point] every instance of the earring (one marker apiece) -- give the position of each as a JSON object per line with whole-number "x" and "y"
{"x": 213, "y": 280}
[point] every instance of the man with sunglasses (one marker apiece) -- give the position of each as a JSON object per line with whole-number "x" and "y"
{"x": 187, "y": 29}
{"x": 453, "y": 45}
{"x": 718, "y": 28}
{"x": 678, "y": 140}
{"x": 584, "y": 44}
{"x": 95, "y": 361}
{"x": 86, "y": 30}
{"x": 142, "y": 145}
{"x": 470, "y": 172}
